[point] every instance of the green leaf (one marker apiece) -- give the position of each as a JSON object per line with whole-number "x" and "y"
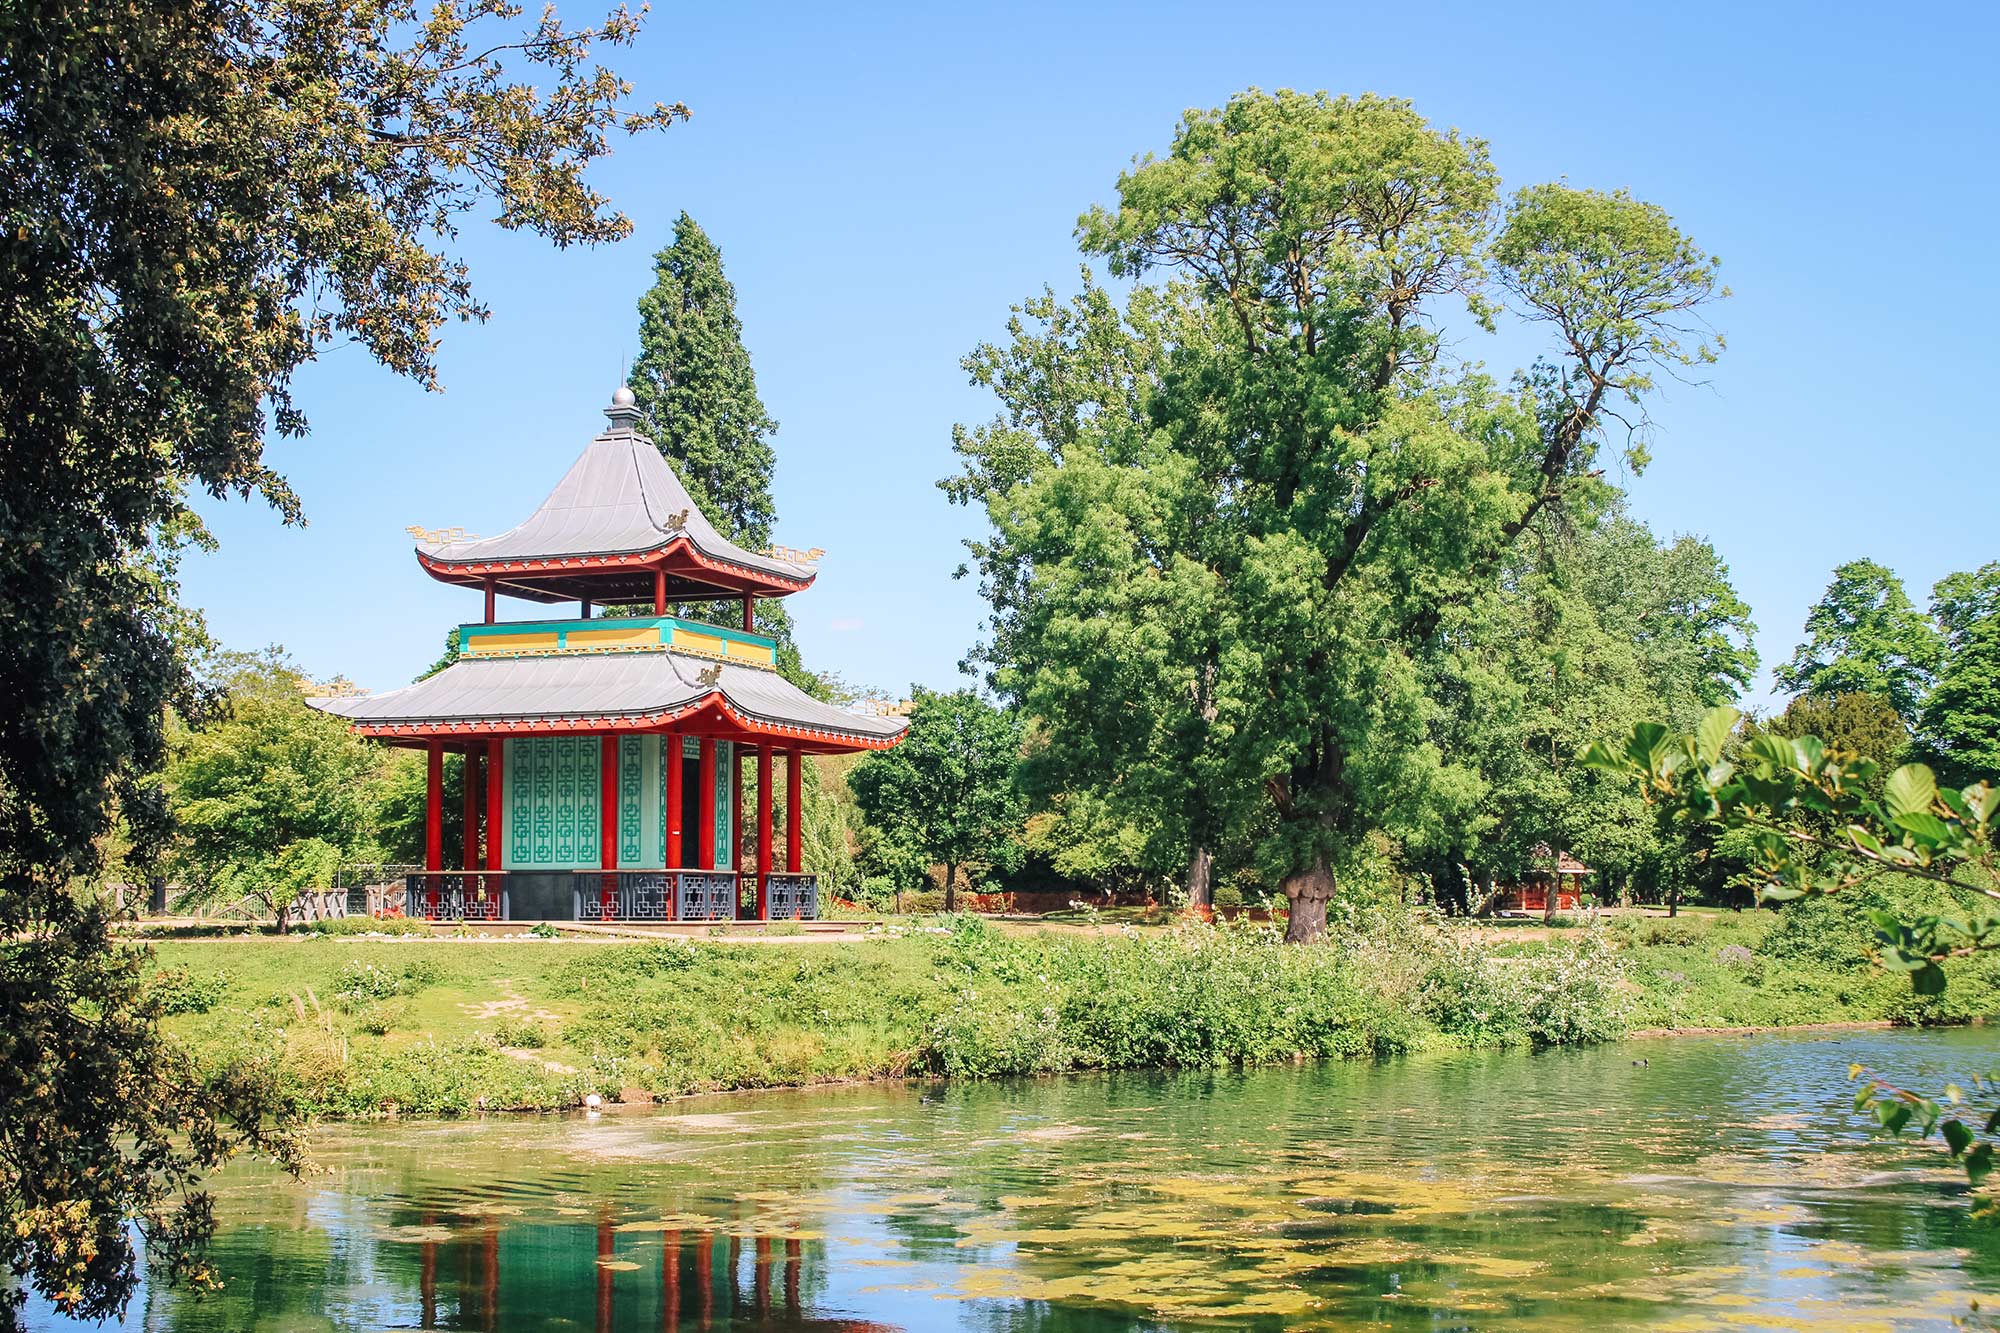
{"x": 1910, "y": 790}
{"x": 1957, "y": 1136}
{"x": 1979, "y": 1163}
{"x": 1928, "y": 980}
{"x": 1713, "y": 732}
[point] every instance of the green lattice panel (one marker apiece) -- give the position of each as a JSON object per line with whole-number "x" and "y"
{"x": 725, "y": 770}
{"x": 552, "y": 802}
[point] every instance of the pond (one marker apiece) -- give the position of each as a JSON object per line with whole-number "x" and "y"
{"x": 1711, "y": 1182}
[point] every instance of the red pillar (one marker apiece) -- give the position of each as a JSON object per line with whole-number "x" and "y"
{"x": 472, "y": 785}
{"x": 736, "y": 820}
{"x": 749, "y": 615}
{"x": 659, "y": 592}
{"x": 434, "y": 808}
{"x": 496, "y": 803}
{"x": 765, "y": 754}
{"x": 671, "y": 745}
{"x": 607, "y": 821}
{"x": 795, "y": 804}
{"x": 705, "y": 835}
{"x": 489, "y": 600}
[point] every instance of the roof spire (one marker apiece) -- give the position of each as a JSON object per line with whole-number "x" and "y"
{"x": 624, "y": 409}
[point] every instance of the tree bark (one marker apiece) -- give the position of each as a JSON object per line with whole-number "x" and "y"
{"x": 1308, "y": 891}
{"x": 950, "y": 887}
{"x": 1200, "y": 876}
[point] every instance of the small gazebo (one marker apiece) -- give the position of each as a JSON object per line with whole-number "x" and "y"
{"x": 605, "y": 754}
{"x": 1553, "y": 872}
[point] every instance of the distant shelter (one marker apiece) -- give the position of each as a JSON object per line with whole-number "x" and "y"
{"x": 605, "y": 754}
{"x": 1557, "y": 873}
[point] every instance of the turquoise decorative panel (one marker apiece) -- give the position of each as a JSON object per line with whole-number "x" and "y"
{"x": 641, "y": 804}
{"x": 551, "y": 798}
{"x": 725, "y": 793}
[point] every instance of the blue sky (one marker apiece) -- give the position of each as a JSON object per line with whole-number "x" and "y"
{"x": 884, "y": 183}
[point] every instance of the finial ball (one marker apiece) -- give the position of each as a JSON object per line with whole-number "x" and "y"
{"x": 623, "y": 396}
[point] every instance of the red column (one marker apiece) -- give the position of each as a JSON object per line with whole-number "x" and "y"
{"x": 472, "y": 785}
{"x": 434, "y": 809}
{"x": 705, "y": 835}
{"x": 659, "y": 592}
{"x": 607, "y": 821}
{"x": 765, "y": 756}
{"x": 489, "y": 600}
{"x": 496, "y": 804}
{"x": 749, "y": 615}
{"x": 671, "y": 746}
{"x": 795, "y": 804}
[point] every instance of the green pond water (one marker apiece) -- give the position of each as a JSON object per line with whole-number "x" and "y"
{"x": 1723, "y": 1184}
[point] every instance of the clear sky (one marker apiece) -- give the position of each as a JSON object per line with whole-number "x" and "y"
{"x": 885, "y": 183}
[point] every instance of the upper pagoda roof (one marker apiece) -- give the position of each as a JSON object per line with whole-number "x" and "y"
{"x": 617, "y": 516}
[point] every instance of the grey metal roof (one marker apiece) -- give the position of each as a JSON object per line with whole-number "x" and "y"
{"x": 619, "y": 498}
{"x": 607, "y": 685}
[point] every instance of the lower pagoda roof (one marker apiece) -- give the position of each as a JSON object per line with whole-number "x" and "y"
{"x": 611, "y": 692}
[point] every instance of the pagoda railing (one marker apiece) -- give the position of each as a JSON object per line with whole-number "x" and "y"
{"x": 790, "y": 897}
{"x": 656, "y": 895}
{"x": 452, "y": 895}
{"x": 595, "y": 895}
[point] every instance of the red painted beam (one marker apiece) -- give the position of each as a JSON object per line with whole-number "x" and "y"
{"x": 671, "y": 747}
{"x": 496, "y": 803}
{"x": 434, "y": 807}
{"x": 765, "y": 754}
{"x": 795, "y": 806}
{"x": 607, "y": 804}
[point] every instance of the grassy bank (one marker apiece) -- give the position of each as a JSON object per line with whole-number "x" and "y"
{"x": 432, "y": 1026}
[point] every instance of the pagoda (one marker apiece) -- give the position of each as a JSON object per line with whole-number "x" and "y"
{"x": 605, "y": 753}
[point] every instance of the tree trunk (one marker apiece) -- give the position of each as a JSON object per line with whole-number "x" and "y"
{"x": 950, "y": 887}
{"x": 1200, "y": 873}
{"x": 1308, "y": 891}
{"x": 1673, "y": 902}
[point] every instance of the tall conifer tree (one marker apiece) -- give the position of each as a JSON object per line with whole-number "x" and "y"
{"x": 694, "y": 383}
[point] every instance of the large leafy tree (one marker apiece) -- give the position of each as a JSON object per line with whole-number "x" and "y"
{"x": 945, "y": 795}
{"x": 1597, "y": 626}
{"x": 1317, "y": 500}
{"x": 694, "y": 383}
{"x": 270, "y": 796}
{"x": 194, "y": 199}
{"x": 1864, "y": 636}
{"x": 1074, "y": 373}
{"x": 1961, "y": 717}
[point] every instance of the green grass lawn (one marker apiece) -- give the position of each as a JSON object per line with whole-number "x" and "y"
{"x": 427, "y": 1025}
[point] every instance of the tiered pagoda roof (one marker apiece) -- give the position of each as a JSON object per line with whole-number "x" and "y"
{"x": 615, "y": 518}
{"x": 612, "y": 691}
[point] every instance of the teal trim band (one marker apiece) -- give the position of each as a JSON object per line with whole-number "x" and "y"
{"x": 562, "y": 628}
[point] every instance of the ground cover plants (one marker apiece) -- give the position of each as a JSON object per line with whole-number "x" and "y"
{"x": 443, "y": 1027}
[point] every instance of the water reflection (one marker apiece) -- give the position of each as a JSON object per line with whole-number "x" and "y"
{"x": 1721, "y": 1185}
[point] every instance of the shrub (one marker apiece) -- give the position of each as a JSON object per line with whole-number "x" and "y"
{"x": 1570, "y": 993}
{"x": 182, "y": 992}
{"x": 524, "y": 1034}
{"x": 359, "y": 982}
